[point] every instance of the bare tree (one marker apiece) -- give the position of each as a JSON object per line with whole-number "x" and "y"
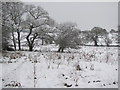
{"x": 36, "y": 17}
{"x": 96, "y": 33}
{"x": 67, "y": 36}
{"x": 14, "y": 12}
{"x": 46, "y": 33}
{"x": 6, "y": 26}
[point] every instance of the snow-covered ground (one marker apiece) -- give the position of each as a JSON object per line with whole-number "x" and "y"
{"x": 87, "y": 67}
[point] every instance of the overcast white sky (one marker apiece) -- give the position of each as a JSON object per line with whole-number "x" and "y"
{"x": 85, "y": 14}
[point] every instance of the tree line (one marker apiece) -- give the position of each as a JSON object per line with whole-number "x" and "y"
{"x": 19, "y": 18}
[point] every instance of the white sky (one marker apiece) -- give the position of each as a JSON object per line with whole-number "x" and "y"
{"x": 85, "y": 14}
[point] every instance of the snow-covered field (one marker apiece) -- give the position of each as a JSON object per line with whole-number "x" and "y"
{"x": 87, "y": 67}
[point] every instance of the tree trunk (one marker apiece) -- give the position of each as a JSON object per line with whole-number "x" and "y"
{"x": 108, "y": 45}
{"x": 31, "y": 40}
{"x": 59, "y": 49}
{"x": 62, "y": 50}
{"x": 14, "y": 41}
{"x": 19, "y": 43}
{"x": 28, "y": 40}
{"x": 95, "y": 42}
{"x": 30, "y": 45}
{"x": 42, "y": 41}
{"x": 30, "y": 48}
